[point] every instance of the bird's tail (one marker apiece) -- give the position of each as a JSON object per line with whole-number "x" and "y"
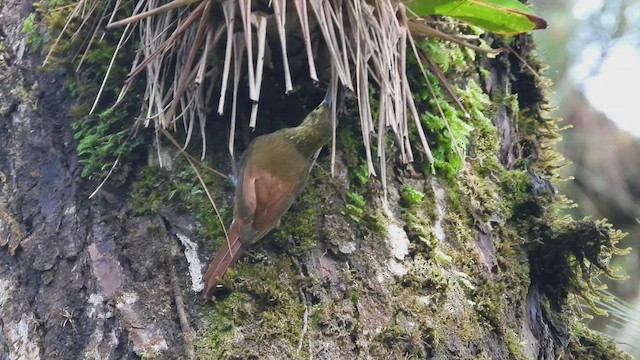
{"x": 226, "y": 256}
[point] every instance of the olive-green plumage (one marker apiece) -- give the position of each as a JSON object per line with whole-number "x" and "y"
{"x": 272, "y": 173}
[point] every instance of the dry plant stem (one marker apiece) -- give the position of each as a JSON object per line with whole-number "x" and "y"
{"x": 104, "y": 181}
{"x": 191, "y": 158}
{"x": 157, "y": 133}
{"x": 362, "y": 54}
{"x": 193, "y": 16}
{"x": 238, "y": 48}
{"x": 245, "y": 13}
{"x": 435, "y": 69}
{"x": 261, "y": 21}
{"x": 326, "y": 26}
{"x": 343, "y": 37}
{"x": 382, "y": 157}
{"x": 305, "y": 317}
{"x": 340, "y": 49}
{"x": 85, "y": 18}
{"x": 185, "y": 74}
{"x": 421, "y": 30}
{"x": 333, "y": 85}
{"x": 202, "y": 116}
{"x": 394, "y": 112}
{"x": 187, "y": 333}
{"x": 106, "y": 75}
{"x": 446, "y": 123}
{"x": 164, "y": 8}
{"x": 365, "y": 113}
{"x": 116, "y": 6}
{"x": 73, "y": 15}
{"x": 88, "y": 41}
{"x": 280, "y": 10}
{"x": 210, "y": 41}
{"x": 416, "y": 118}
{"x": 401, "y": 103}
{"x": 96, "y": 31}
{"x": 192, "y": 162}
{"x": 301, "y": 9}
{"x": 154, "y": 33}
{"x": 228, "y": 7}
{"x": 526, "y": 64}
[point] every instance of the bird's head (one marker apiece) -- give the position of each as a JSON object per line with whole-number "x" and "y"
{"x": 315, "y": 130}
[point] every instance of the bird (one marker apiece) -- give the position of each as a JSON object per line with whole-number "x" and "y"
{"x": 273, "y": 171}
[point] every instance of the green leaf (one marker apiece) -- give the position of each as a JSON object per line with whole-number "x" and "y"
{"x": 506, "y": 17}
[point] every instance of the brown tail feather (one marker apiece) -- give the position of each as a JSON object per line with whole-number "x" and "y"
{"x": 223, "y": 260}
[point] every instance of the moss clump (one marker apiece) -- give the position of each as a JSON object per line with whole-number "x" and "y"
{"x": 515, "y": 344}
{"x": 155, "y": 187}
{"x": 30, "y": 30}
{"x": 300, "y": 225}
{"x": 106, "y": 140}
{"x": 571, "y": 256}
{"x": 444, "y": 124}
{"x": 409, "y": 343}
{"x": 411, "y": 196}
{"x": 451, "y": 135}
{"x": 587, "y": 344}
{"x": 336, "y": 318}
{"x": 217, "y": 341}
{"x": 357, "y": 208}
{"x": 102, "y": 140}
{"x": 425, "y": 273}
{"x": 418, "y": 212}
{"x": 264, "y": 305}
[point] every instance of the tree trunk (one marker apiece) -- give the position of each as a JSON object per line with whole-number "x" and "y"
{"x": 441, "y": 270}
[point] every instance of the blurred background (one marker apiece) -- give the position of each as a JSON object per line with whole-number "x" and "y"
{"x": 593, "y": 50}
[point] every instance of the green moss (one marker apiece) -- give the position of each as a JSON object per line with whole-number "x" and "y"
{"x": 412, "y": 196}
{"x": 418, "y": 210}
{"x": 265, "y": 302}
{"x": 592, "y": 345}
{"x": 408, "y": 343}
{"x": 424, "y": 273}
{"x": 105, "y": 137}
{"x": 217, "y": 341}
{"x": 300, "y": 226}
{"x": 355, "y": 207}
{"x": 358, "y": 207}
{"x": 447, "y": 161}
{"x": 489, "y": 299}
{"x": 30, "y": 30}
{"x": 147, "y": 191}
{"x": 515, "y": 344}
{"x": 155, "y": 187}
{"x": 336, "y": 317}
{"x": 446, "y": 126}
{"x": 571, "y": 256}
{"x": 515, "y": 185}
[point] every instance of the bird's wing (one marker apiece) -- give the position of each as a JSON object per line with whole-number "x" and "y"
{"x": 269, "y": 197}
{"x": 245, "y": 201}
{"x": 274, "y": 197}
